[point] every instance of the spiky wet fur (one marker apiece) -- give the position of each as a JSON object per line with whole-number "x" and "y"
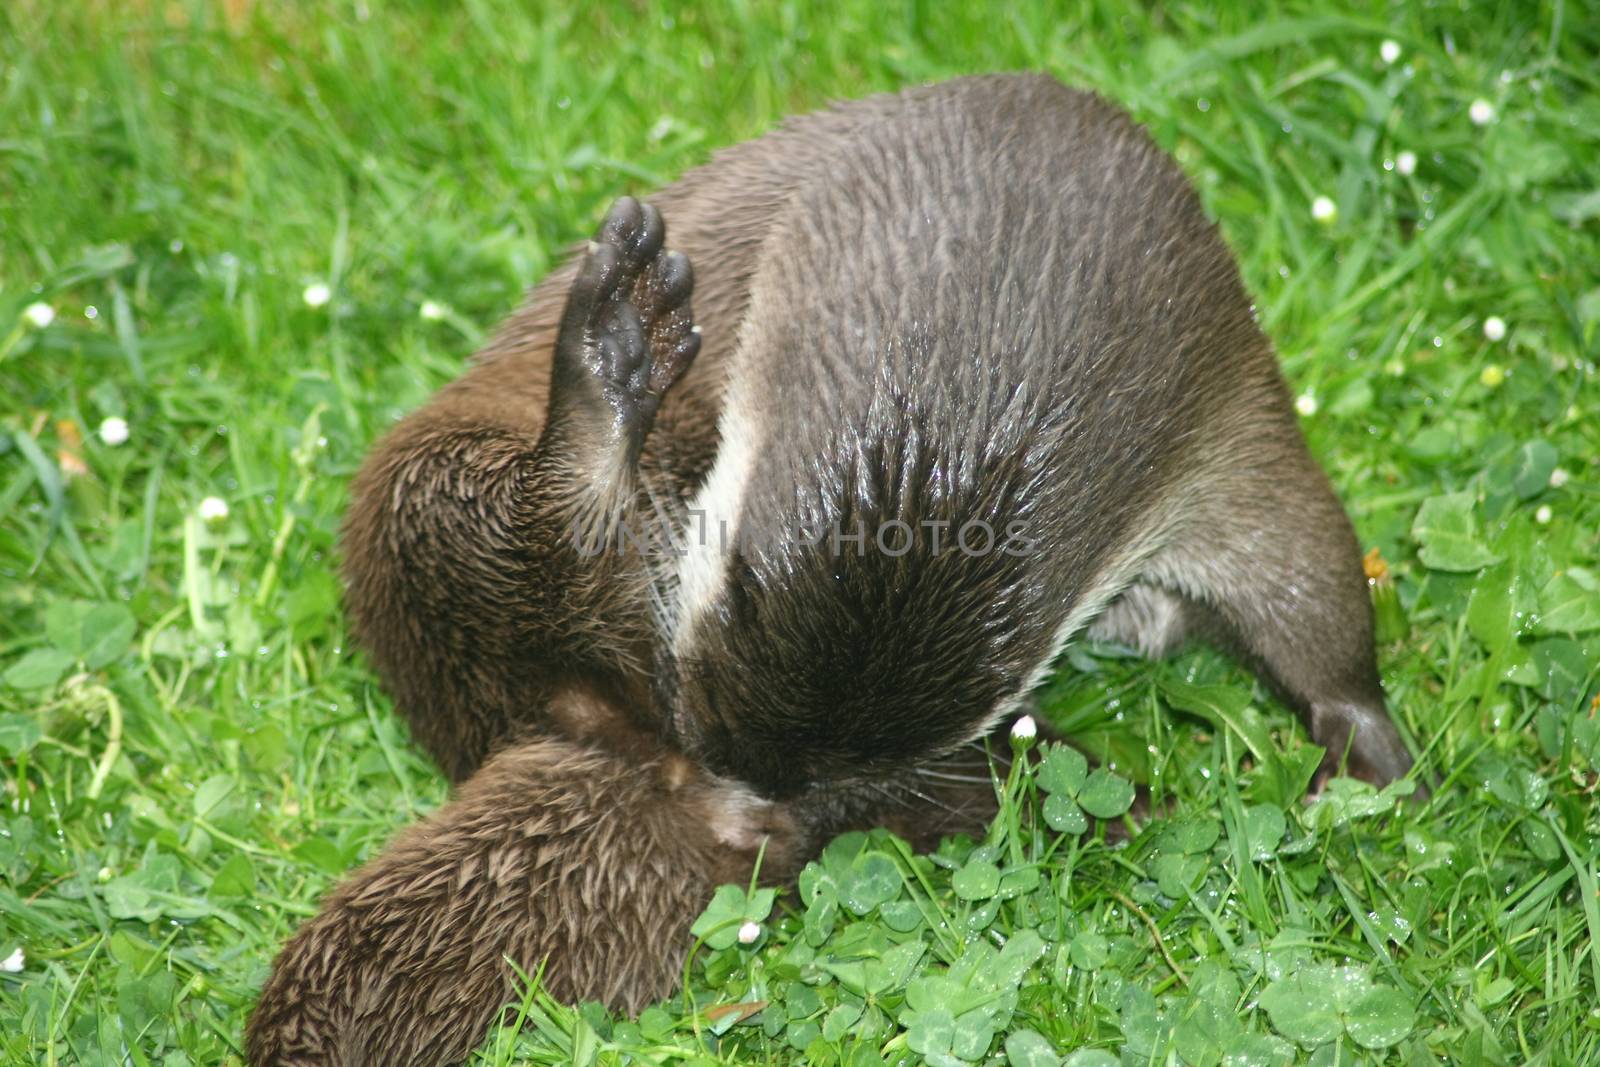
{"x": 589, "y": 861}
{"x": 994, "y": 297}
{"x": 549, "y": 853}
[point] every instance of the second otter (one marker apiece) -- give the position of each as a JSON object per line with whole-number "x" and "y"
{"x": 577, "y": 858}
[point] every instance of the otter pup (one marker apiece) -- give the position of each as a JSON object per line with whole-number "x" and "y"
{"x": 986, "y": 318}
{"x": 590, "y": 860}
{"x": 550, "y": 851}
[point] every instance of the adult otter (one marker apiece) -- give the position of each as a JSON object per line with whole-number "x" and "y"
{"x": 992, "y": 303}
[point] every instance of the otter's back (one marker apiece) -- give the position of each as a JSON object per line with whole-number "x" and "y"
{"x": 996, "y": 279}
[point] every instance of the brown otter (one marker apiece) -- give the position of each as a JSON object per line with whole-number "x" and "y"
{"x": 551, "y": 850}
{"x": 589, "y": 860}
{"x": 992, "y": 298}
{"x": 991, "y": 304}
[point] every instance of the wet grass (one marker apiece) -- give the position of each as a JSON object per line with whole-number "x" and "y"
{"x": 191, "y": 752}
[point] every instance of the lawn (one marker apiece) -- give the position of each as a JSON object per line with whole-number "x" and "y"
{"x": 258, "y": 233}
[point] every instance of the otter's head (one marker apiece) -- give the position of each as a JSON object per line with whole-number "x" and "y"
{"x": 826, "y": 661}
{"x": 876, "y": 593}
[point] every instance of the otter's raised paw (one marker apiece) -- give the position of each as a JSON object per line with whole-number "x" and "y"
{"x": 627, "y": 333}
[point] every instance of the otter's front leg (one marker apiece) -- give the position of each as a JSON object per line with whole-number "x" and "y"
{"x": 469, "y": 562}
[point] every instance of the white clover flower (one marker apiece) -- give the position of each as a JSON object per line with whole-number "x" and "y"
{"x": 1543, "y": 515}
{"x": 114, "y": 431}
{"x": 1306, "y": 404}
{"x": 1481, "y": 112}
{"x": 1494, "y": 328}
{"x": 213, "y": 509}
{"x": 1024, "y": 729}
{"x": 39, "y": 314}
{"x": 316, "y": 295}
{"x": 748, "y": 933}
{"x": 1406, "y": 163}
{"x": 431, "y": 311}
{"x": 1559, "y": 477}
{"x": 1389, "y": 52}
{"x": 12, "y": 964}
{"x": 1324, "y": 210}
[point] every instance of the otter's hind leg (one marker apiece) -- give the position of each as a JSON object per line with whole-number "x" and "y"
{"x": 467, "y": 578}
{"x": 626, "y": 336}
{"x": 1268, "y": 552}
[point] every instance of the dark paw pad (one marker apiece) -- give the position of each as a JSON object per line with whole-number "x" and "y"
{"x": 628, "y": 328}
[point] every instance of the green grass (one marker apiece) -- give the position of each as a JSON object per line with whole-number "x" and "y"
{"x": 191, "y": 752}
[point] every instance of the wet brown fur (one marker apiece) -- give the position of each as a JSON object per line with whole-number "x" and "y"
{"x": 590, "y": 859}
{"x": 1153, "y": 449}
{"x": 549, "y": 853}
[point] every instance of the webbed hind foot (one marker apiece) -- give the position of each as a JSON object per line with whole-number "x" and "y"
{"x": 627, "y": 333}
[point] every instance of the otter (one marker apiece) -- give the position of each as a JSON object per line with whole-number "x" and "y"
{"x": 550, "y": 848}
{"x": 584, "y": 858}
{"x": 967, "y": 372}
